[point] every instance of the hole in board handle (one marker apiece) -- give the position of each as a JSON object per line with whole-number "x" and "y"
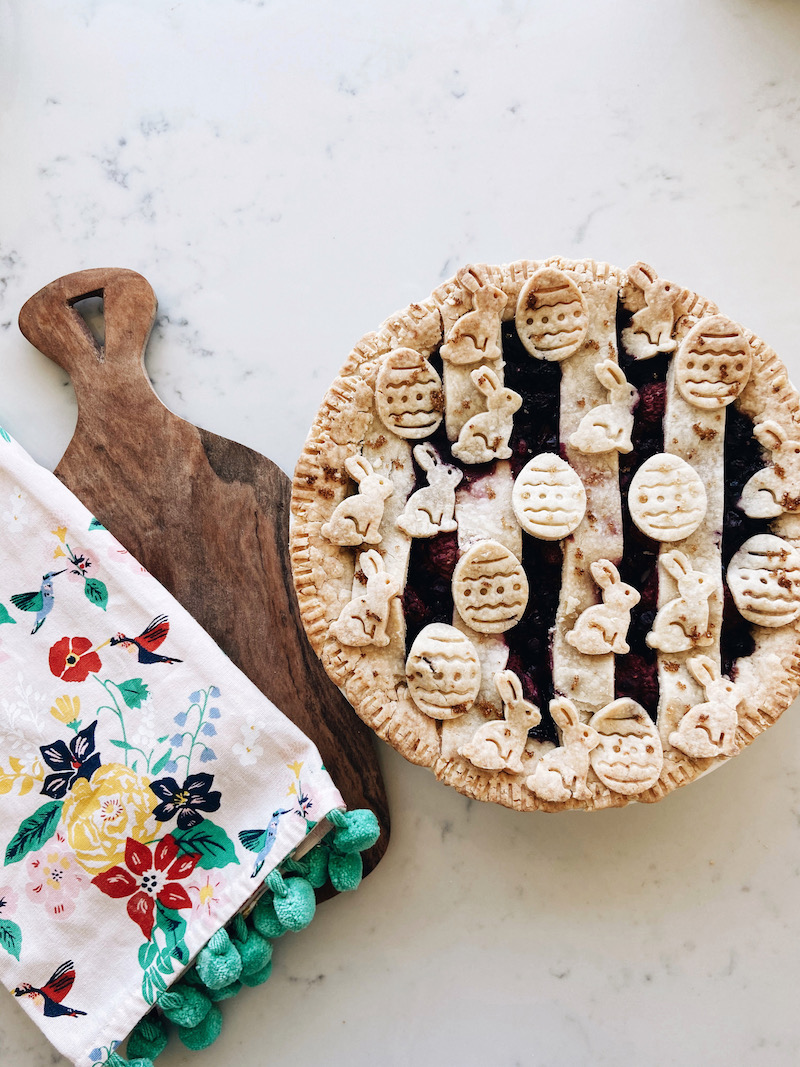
{"x": 90, "y": 309}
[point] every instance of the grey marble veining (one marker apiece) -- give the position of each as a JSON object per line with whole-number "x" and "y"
{"x": 286, "y": 176}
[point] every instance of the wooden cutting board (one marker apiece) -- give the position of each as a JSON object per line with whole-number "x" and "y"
{"x": 206, "y": 516}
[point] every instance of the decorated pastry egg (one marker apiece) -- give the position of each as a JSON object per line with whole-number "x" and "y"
{"x": 629, "y": 756}
{"x": 551, "y": 315}
{"x": 548, "y": 498}
{"x": 764, "y": 579}
{"x": 408, "y": 394}
{"x": 713, "y": 363}
{"x": 490, "y": 589}
{"x": 443, "y": 671}
{"x": 667, "y": 500}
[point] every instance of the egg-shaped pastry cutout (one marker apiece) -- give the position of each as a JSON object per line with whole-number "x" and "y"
{"x": 490, "y": 589}
{"x": 408, "y": 394}
{"x": 628, "y": 757}
{"x": 713, "y": 363}
{"x": 667, "y": 500}
{"x": 443, "y": 671}
{"x": 764, "y": 580}
{"x": 548, "y": 498}
{"x": 551, "y": 317}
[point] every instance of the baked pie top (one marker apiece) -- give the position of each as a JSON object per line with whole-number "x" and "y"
{"x": 546, "y": 534}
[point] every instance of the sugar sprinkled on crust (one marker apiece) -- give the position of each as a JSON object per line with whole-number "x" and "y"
{"x": 327, "y": 575}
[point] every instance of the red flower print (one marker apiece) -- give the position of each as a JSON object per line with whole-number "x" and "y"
{"x": 149, "y": 878}
{"x": 72, "y": 660}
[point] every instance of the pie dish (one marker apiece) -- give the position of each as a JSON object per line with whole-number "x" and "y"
{"x": 546, "y": 534}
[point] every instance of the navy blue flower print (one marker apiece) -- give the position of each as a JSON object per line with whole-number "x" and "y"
{"x": 187, "y": 800}
{"x": 78, "y": 760}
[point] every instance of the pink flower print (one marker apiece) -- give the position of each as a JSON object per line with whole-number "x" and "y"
{"x": 56, "y": 878}
{"x": 204, "y": 896}
{"x": 8, "y": 902}
{"x": 122, "y": 555}
{"x": 3, "y": 655}
{"x": 82, "y": 562}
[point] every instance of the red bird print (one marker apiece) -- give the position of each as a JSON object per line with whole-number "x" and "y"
{"x": 148, "y": 641}
{"x": 48, "y": 998}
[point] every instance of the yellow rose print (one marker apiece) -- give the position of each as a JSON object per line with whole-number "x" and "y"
{"x": 101, "y": 814}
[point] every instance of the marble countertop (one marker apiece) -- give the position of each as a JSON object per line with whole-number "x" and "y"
{"x": 286, "y": 176}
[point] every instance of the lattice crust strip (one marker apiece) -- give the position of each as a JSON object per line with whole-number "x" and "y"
{"x": 417, "y": 487}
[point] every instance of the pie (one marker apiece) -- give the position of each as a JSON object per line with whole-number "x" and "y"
{"x": 546, "y": 534}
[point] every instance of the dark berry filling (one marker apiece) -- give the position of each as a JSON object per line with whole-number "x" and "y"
{"x": 636, "y": 674}
{"x": 536, "y": 429}
{"x": 428, "y": 598}
{"x": 428, "y": 595}
{"x": 743, "y": 457}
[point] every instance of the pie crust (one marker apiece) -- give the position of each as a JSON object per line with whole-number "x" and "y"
{"x": 546, "y": 534}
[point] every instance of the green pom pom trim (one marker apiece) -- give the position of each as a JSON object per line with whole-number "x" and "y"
{"x": 259, "y": 977}
{"x": 255, "y": 951}
{"x": 317, "y": 867}
{"x": 360, "y": 831}
{"x": 184, "y": 1005}
{"x": 296, "y": 906}
{"x": 226, "y": 992}
{"x": 346, "y": 871}
{"x": 205, "y": 1033}
{"x": 241, "y": 955}
{"x": 265, "y": 918}
{"x": 219, "y": 963}
{"x": 115, "y": 1060}
{"x": 148, "y": 1038}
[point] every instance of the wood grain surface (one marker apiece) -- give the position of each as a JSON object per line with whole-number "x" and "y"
{"x": 208, "y": 517}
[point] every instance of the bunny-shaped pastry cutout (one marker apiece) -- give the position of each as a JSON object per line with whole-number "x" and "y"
{"x": 608, "y": 427}
{"x": 561, "y": 774}
{"x": 363, "y": 620}
{"x": 485, "y": 436}
{"x": 475, "y": 335}
{"x": 358, "y": 518}
{"x": 682, "y": 623}
{"x": 498, "y": 746}
{"x": 709, "y": 729}
{"x": 603, "y": 628}
{"x": 430, "y": 510}
{"x": 775, "y": 489}
{"x": 651, "y": 327}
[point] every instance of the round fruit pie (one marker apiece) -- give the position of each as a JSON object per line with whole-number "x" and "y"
{"x": 546, "y": 534}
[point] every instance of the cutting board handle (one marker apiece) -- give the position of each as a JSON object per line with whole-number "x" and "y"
{"x": 50, "y": 321}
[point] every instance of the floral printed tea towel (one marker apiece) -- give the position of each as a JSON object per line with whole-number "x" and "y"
{"x": 144, "y": 781}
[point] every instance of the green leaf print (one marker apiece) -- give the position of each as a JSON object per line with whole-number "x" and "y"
{"x": 10, "y": 937}
{"x": 95, "y": 524}
{"x": 208, "y": 840}
{"x": 34, "y": 831}
{"x": 152, "y": 985}
{"x": 4, "y": 615}
{"x": 134, "y": 692}
{"x": 147, "y": 954}
{"x": 160, "y": 764}
{"x": 96, "y": 591}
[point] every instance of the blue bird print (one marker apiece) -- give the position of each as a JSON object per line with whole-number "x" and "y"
{"x": 261, "y": 841}
{"x": 41, "y": 602}
{"x": 48, "y": 998}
